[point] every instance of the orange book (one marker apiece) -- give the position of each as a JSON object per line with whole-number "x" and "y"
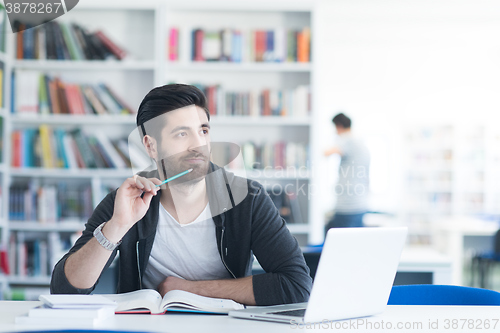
{"x": 54, "y": 100}
{"x": 19, "y": 42}
{"x": 61, "y": 95}
{"x": 303, "y": 45}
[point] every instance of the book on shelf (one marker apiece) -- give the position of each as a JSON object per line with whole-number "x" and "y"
{"x": 173, "y": 44}
{"x": 150, "y": 301}
{"x": 32, "y": 256}
{"x": 49, "y": 148}
{"x": 38, "y": 93}
{"x": 276, "y": 155}
{"x": 4, "y": 259}
{"x": 266, "y": 102}
{"x": 48, "y": 204}
{"x": 234, "y": 45}
{"x": 56, "y": 40}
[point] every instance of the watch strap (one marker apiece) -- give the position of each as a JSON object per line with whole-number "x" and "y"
{"x": 105, "y": 243}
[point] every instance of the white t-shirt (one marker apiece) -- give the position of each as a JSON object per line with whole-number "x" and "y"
{"x": 187, "y": 251}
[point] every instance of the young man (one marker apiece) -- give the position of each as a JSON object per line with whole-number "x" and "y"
{"x": 197, "y": 233}
{"x": 352, "y": 188}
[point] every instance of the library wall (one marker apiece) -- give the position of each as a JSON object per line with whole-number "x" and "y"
{"x": 400, "y": 68}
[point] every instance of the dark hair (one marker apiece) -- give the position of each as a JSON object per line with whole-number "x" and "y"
{"x": 167, "y": 98}
{"x": 342, "y": 120}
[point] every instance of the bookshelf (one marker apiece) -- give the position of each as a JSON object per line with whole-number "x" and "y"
{"x": 131, "y": 26}
{"x": 241, "y": 73}
{"x": 142, "y": 29}
{"x": 451, "y": 170}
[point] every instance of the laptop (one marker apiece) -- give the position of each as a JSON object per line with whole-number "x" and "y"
{"x": 354, "y": 278}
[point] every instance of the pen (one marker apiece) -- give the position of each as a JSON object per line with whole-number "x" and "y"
{"x": 175, "y": 177}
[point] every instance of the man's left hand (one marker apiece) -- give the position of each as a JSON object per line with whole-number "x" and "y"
{"x": 172, "y": 283}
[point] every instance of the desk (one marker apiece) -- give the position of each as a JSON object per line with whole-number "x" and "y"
{"x": 415, "y": 259}
{"x": 426, "y": 259}
{"x": 417, "y": 316}
{"x": 451, "y": 237}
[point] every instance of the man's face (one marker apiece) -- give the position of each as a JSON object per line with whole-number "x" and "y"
{"x": 185, "y": 144}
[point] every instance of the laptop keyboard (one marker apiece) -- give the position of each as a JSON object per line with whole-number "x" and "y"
{"x": 293, "y": 313}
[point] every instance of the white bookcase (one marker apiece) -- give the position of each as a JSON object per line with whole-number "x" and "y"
{"x": 142, "y": 29}
{"x": 451, "y": 170}
{"x": 246, "y": 76}
{"x": 134, "y": 27}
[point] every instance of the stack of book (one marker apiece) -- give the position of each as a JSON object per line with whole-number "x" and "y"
{"x": 69, "y": 310}
{"x": 57, "y": 148}
{"x": 50, "y": 203}
{"x": 56, "y": 40}
{"x": 38, "y": 93}
{"x": 266, "y": 102}
{"x": 278, "y": 45}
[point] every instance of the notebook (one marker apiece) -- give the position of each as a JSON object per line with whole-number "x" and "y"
{"x": 354, "y": 278}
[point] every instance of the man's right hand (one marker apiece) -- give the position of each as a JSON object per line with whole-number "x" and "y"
{"x": 129, "y": 206}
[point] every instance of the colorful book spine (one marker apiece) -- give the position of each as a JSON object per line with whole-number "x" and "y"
{"x": 278, "y": 45}
{"x": 267, "y": 102}
{"x": 56, "y": 148}
{"x": 61, "y": 41}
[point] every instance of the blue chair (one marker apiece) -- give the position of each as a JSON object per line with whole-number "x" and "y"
{"x": 431, "y": 294}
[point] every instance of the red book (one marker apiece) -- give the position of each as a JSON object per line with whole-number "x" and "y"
{"x": 4, "y": 261}
{"x": 173, "y": 44}
{"x": 198, "y": 41}
{"x": 16, "y": 149}
{"x": 212, "y": 100}
{"x": 72, "y": 106}
{"x": 261, "y": 45}
{"x": 77, "y": 94}
{"x": 111, "y": 46}
{"x": 266, "y": 107}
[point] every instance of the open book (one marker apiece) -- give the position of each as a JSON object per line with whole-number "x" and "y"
{"x": 150, "y": 301}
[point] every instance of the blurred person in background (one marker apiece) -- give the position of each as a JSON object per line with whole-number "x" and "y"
{"x": 352, "y": 188}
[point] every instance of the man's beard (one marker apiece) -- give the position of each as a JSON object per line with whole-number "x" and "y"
{"x": 175, "y": 164}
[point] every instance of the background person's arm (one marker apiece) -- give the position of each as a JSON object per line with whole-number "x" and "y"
{"x": 332, "y": 150}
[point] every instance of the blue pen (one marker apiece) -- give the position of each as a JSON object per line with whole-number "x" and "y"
{"x": 175, "y": 177}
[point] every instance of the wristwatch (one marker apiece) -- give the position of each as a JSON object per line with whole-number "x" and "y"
{"x": 106, "y": 243}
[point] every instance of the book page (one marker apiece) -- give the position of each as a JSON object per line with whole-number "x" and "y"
{"x": 187, "y": 300}
{"x": 140, "y": 299}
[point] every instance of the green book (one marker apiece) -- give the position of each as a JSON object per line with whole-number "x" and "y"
{"x": 69, "y": 38}
{"x": 43, "y": 100}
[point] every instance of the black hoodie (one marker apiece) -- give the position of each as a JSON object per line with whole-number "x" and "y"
{"x": 246, "y": 221}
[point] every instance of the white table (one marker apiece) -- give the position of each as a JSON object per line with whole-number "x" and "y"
{"x": 451, "y": 235}
{"x": 426, "y": 259}
{"x": 409, "y": 318}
